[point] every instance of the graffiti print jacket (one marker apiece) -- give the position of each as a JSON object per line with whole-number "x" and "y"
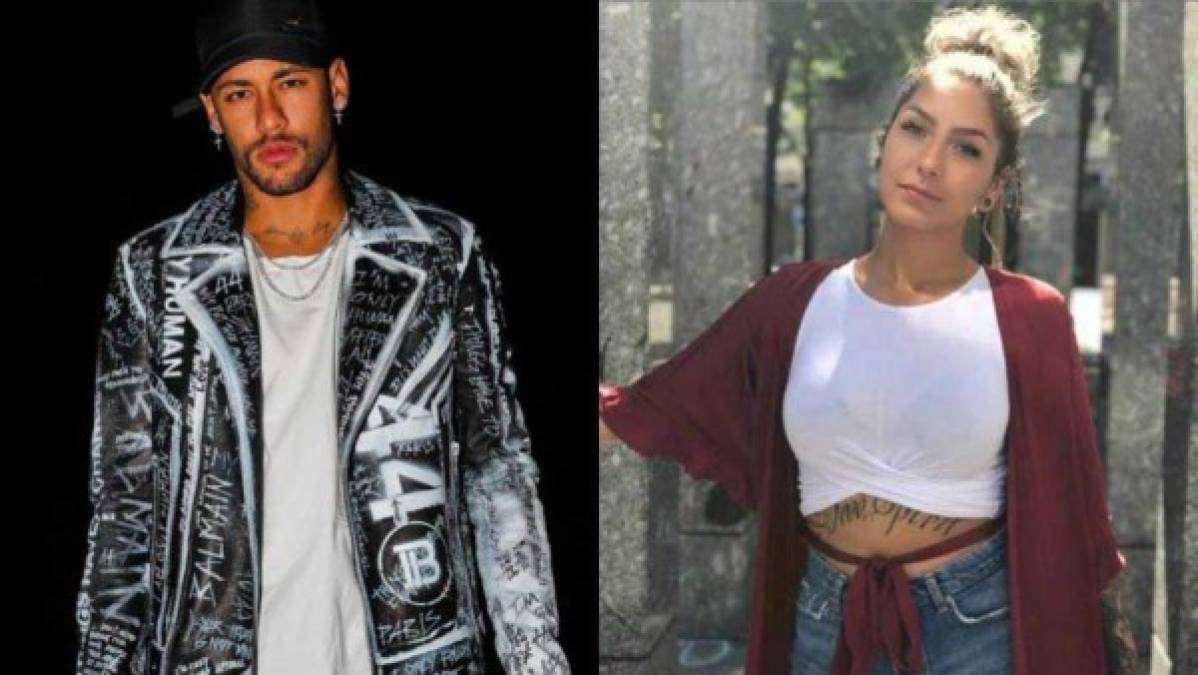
{"x": 438, "y": 481}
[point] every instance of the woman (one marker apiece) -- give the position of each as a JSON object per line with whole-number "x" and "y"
{"x": 933, "y": 413}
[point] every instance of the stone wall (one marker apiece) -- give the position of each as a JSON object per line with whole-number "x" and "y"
{"x": 1150, "y": 204}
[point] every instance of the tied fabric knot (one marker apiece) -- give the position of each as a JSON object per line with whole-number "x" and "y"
{"x": 879, "y": 612}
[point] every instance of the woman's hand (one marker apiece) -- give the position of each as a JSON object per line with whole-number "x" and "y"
{"x": 605, "y": 434}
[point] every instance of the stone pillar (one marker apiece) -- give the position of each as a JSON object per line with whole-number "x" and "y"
{"x": 717, "y": 253}
{"x": 1150, "y": 211}
{"x": 1050, "y": 191}
{"x": 843, "y": 122}
{"x": 1186, "y": 649}
{"x": 635, "y": 611}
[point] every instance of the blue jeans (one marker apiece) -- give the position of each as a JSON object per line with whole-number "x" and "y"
{"x": 964, "y": 619}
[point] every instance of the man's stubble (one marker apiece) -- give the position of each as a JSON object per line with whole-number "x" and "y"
{"x": 314, "y": 161}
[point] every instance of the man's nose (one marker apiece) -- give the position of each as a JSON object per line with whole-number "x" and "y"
{"x": 270, "y": 114}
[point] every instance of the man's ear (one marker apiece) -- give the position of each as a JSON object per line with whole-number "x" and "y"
{"x": 338, "y": 76}
{"x": 210, "y": 111}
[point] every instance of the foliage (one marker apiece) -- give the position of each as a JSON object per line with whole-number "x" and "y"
{"x": 868, "y": 43}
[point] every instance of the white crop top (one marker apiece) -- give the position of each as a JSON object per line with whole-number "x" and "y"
{"x": 908, "y": 403}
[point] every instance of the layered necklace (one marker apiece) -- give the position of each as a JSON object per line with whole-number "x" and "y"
{"x": 326, "y": 254}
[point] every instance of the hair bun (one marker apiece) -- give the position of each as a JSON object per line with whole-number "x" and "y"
{"x": 1013, "y": 43}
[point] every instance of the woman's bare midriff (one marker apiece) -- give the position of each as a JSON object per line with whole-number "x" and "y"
{"x": 865, "y": 525}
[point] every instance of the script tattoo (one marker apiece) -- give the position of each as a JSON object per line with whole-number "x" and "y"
{"x": 864, "y": 507}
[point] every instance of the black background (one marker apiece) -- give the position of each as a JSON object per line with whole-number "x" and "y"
{"x": 486, "y": 109}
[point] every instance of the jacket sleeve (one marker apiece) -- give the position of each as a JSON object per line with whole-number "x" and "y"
{"x": 697, "y": 407}
{"x": 500, "y": 478}
{"x": 1108, "y": 561}
{"x": 112, "y": 611}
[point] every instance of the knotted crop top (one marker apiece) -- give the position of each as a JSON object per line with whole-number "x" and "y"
{"x": 908, "y": 403}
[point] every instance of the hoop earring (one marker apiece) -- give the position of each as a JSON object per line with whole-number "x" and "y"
{"x": 984, "y": 228}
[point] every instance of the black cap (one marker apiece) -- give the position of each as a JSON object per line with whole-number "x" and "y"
{"x": 231, "y": 31}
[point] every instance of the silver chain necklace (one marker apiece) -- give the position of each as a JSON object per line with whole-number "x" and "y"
{"x": 261, "y": 256}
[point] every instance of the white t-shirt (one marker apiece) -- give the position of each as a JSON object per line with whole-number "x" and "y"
{"x": 908, "y": 403}
{"x": 312, "y": 617}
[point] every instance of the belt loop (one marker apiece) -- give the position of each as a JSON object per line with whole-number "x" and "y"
{"x": 933, "y": 586}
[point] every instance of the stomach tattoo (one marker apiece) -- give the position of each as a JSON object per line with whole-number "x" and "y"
{"x": 862, "y": 508}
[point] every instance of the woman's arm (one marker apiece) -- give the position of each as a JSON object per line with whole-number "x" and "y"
{"x": 697, "y": 408}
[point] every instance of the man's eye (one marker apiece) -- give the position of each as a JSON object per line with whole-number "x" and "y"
{"x": 236, "y": 95}
{"x": 292, "y": 83}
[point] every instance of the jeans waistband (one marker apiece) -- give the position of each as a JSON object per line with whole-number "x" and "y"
{"x": 955, "y": 576}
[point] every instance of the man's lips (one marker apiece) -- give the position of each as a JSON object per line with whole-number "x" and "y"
{"x": 922, "y": 193}
{"x": 275, "y": 153}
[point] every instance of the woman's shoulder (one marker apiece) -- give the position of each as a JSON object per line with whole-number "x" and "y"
{"x": 786, "y": 283}
{"x": 1024, "y": 293}
{"x": 1024, "y": 285}
{"x": 808, "y": 266}
{"x": 801, "y": 271}
{"x": 1032, "y": 308}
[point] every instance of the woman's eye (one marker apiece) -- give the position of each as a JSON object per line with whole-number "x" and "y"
{"x": 911, "y": 127}
{"x": 969, "y": 150}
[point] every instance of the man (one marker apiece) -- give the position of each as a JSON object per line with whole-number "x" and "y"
{"x": 307, "y": 446}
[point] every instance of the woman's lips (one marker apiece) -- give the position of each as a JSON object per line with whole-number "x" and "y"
{"x": 916, "y": 193}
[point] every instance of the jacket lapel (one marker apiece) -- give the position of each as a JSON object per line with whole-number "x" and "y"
{"x": 379, "y": 293}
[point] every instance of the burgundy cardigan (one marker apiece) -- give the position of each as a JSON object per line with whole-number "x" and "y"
{"x": 716, "y": 407}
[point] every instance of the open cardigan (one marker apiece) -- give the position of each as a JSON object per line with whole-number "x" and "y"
{"x": 716, "y": 407}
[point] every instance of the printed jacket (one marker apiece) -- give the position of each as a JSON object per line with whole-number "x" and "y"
{"x": 438, "y": 482}
{"x": 716, "y": 407}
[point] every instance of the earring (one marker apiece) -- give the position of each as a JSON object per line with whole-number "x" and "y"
{"x": 216, "y": 138}
{"x": 337, "y": 113}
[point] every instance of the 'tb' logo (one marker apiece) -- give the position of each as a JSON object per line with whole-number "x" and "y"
{"x": 412, "y": 561}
